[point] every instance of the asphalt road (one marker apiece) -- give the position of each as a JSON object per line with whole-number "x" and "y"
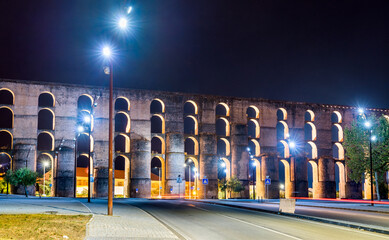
{"x": 195, "y": 220}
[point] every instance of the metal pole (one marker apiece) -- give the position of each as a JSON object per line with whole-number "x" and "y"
{"x": 254, "y": 185}
{"x": 44, "y": 180}
{"x": 89, "y": 165}
{"x": 371, "y": 171}
{"x": 189, "y": 183}
{"x": 110, "y": 143}
{"x": 75, "y": 169}
{"x": 159, "y": 182}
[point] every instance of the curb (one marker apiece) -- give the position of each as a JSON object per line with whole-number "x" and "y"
{"x": 316, "y": 219}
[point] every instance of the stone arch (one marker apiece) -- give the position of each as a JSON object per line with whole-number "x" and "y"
{"x": 46, "y": 119}
{"x": 122, "y": 143}
{"x": 313, "y": 178}
{"x": 340, "y": 179}
{"x": 222, "y": 109}
{"x": 157, "y": 106}
{"x": 253, "y": 128}
{"x": 157, "y": 145}
{"x": 157, "y": 176}
{"x": 83, "y": 142}
{"x": 223, "y": 147}
{"x": 7, "y": 97}
{"x": 157, "y": 124}
{"x": 311, "y": 149}
{"x": 44, "y": 167}
{"x": 46, "y": 99}
{"x": 226, "y": 165}
{"x": 336, "y": 117}
{"x": 83, "y": 163}
{"x": 282, "y": 130}
{"x": 45, "y": 141}
{"x": 282, "y": 114}
{"x": 122, "y": 122}
{"x": 337, "y": 133}
{"x": 222, "y": 127}
{"x": 191, "y": 180}
{"x": 310, "y": 131}
{"x": 252, "y": 112}
{"x": 6, "y": 140}
{"x": 85, "y": 102}
{"x": 287, "y": 187}
{"x": 122, "y": 176}
{"x": 309, "y": 116}
{"x": 191, "y": 146}
{"x": 190, "y": 125}
{"x": 7, "y": 117}
{"x": 283, "y": 149}
{"x": 190, "y": 108}
{"x": 122, "y": 104}
{"x": 255, "y": 147}
{"x": 5, "y": 164}
{"x": 259, "y": 184}
{"x": 338, "y": 151}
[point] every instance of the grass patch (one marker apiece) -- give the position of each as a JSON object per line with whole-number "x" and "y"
{"x": 42, "y": 226}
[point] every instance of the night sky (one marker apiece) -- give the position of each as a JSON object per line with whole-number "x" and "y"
{"x": 334, "y": 52}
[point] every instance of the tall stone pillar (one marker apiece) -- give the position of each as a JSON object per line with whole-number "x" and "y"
{"x": 239, "y": 157}
{"x": 326, "y": 187}
{"x": 175, "y": 160}
{"x": 301, "y": 172}
{"x": 140, "y": 167}
{"x": 270, "y": 168}
{"x": 208, "y": 166}
{"x": 65, "y": 173}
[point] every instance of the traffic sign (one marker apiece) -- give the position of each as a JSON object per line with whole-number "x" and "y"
{"x": 205, "y": 181}
{"x": 267, "y": 181}
{"x": 179, "y": 180}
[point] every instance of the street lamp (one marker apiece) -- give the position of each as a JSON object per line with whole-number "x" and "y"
{"x": 159, "y": 182}
{"x": 292, "y": 145}
{"x": 195, "y": 182}
{"x": 45, "y": 164}
{"x": 254, "y": 182}
{"x": 368, "y": 126}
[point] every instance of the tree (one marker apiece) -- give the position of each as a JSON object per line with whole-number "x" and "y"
{"x": 234, "y": 185}
{"x": 24, "y": 177}
{"x": 223, "y": 186}
{"x": 356, "y": 146}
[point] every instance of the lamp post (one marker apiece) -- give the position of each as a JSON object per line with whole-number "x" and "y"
{"x": 368, "y": 126}
{"x": 45, "y": 164}
{"x": 88, "y": 120}
{"x": 254, "y": 182}
{"x": 292, "y": 146}
{"x": 195, "y": 182}
{"x": 159, "y": 182}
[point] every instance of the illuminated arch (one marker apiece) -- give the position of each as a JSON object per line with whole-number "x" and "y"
{"x": 85, "y": 102}
{"x": 122, "y": 176}
{"x": 310, "y": 131}
{"x": 222, "y": 127}
{"x": 82, "y": 140}
{"x": 7, "y": 117}
{"x": 227, "y": 167}
{"x": 338, "y": 151}
{"x": 191, "y": 146}
{"x": 122, "y": 143}
{"x": 7, "y": 96}
{"x": 6, "y": 140}
{"x": 157, "y": 106}
{"x": 309, "y": 116}
{"x": 158, "y": 145}
{"x": 282, "y": 130}
{"x": 224, "y": 147}
{"x": 122, "y": 122}
{"x": 336, "y": 117}
{"x": 157, "y": 124}
{"x": 44, "y": 115}
{"x": 311, "y": 149}
{"x": 252, "y": 112}
{"x": 254, "y": 145}
{"x": 337, "y": 133}
{"x": 46, "y": 99}
{"x": 191, "y": 125}
{"x": 39, "y": 159}
{"x": 195, "y": 162}
{"x": 342, "y": 179}
{"x": 315, "y": 178}
{"x": 122, "y": 104}
{"x": 190, "y": 107}
{"x": 162, "y": 162}
{"x": 283, "y": 149}
{"x": 45, "y": 141}
{"x": 5, "y": 163}
{"x": 282, "y": 114}
{"x": 288, "y": 183}
{"x": 222, "y": 109}
{"x": 253, "y": 128}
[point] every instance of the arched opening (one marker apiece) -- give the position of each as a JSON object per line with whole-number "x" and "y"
{"x": 157, "y": 124}
{"x": 336, "y": 117}
{"x": 340, "y": 179}
{"x": 311, "y": 150}
{"x": 337, "y": 133}
{"x": 253, "y": 128}
{"x": 190, "y": 108}
{"x": 83, "y": 142}
{"x": 282, "y": 115}
{"x": 157, "y": 177}
{"x": 257, "y": 186}
{"x": 44, "y": 167}
{"x": 222, "y": 109}
{"x": 7, "y": 117}
{"x": 45, "y": 141}
{"x": 122, "y": 176}
{"x": 7, "y": 97}
{"x": 283, "y": 149}
{"x": 122, "y": 143}
{"x": 157, "y": 106}
{"x": 122, "y": 122}
{"x": 222, "y": 127}
{"x": 6, "y": 140}
{"x": 223, "y": 147}
{"x": 122, "y": 104}
{"x": 5, "y": 165}
{"x": 338, "y": 151}
{"x": 157, "y": 145}
{"x": 254, "y": 147}
{"x": 190, "y": 125}
{"x": 191, "y": 146}
{"x": 252, "y": 112}
{"x": 310, "y": 131}
{"x": 223, "y": 175}
{"x": 83, "y": 164}
{"x": 46, "y": 119}
{"x": 46, "y": 99}
{"x": 191, "y": 177}
{"x": 282, "y": 130}
{"x": 85, "y": 102}
{"x": 285, "y": 186}
{"x": 309, "y": 116}
{"x": 313, "y": 179}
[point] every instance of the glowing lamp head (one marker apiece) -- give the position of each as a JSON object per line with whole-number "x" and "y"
{"x": 373, "y": 138}
{"x": 87, "y": 119}
{"x": 223, "y": 164}
{"x": 254, "y": 164}
{"x": 225, "y": 170}
{"x": 107, "y": 52}
{"x": 45, "y": 164}
{"x": 194, "y": 169}
{"x": 80, "y": 129}
{"x": 367, "y": 124}
{"x": 361, "y": 110}
{"x": 292, "y": 144}
{"x": 129, "y": 10}
{"x": 282, "y": 186}
{"x": 123, "y": 23}
{"x": 248, "y": 149}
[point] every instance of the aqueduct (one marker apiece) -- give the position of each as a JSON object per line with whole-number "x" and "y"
{"x": 161, "y": 135}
